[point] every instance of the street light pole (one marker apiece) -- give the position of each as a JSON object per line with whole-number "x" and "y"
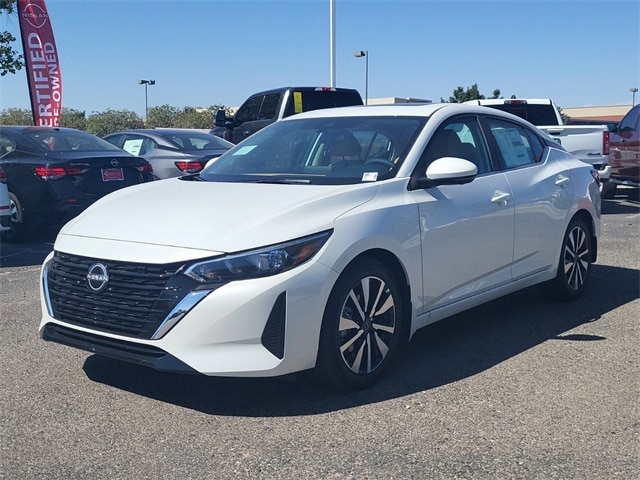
{"x": 633, "y": 91}
{"x": 365, "y": 54}
{"x": 146, "y": 101}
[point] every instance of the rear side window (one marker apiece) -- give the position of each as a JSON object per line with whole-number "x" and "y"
{"x": 269, "y": 106}
{"x": 6, "y": 145}
{"x": 136, "y": 145}
{"x": 517, "y": 146}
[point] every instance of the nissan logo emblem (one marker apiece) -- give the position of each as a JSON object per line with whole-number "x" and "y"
{"x": 114, "y": 162}
{"x": 97, "y": 278}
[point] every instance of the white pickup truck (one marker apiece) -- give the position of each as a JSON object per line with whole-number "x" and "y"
{"x": 589, "y": 143}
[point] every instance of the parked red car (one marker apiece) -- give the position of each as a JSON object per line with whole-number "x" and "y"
{"x": 624, "y": 153}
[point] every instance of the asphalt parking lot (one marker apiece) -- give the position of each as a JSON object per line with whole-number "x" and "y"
{"x": 520, "y": 388}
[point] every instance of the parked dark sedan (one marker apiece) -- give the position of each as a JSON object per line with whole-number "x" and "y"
{"x": 55, "y": 173}
{"x": 171, "y": 151}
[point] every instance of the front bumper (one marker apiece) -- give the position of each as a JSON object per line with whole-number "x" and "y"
{"x": 261, "y": 327}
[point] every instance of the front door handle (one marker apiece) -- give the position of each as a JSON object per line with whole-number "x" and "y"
{"x": 500, "y": 198}
{"x": 562, "y": 181}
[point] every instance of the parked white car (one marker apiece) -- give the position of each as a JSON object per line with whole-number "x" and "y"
{"x": 5, "y": 203}
{"x": 324, "y": 241}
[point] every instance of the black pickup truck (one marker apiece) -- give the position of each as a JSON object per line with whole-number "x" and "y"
{"x": 264, "y": 108}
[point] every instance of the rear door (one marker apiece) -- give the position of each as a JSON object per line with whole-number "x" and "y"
{"x": 542, "y": 193}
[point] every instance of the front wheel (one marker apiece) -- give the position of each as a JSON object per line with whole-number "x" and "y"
{"x": 361, "y": 326}
{"x": 575, "y": 262}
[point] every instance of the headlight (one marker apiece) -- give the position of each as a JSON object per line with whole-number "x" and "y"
{"x": 258, "y": 263}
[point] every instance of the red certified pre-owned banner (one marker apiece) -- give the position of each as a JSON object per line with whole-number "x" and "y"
{"x": 43, "y": 66}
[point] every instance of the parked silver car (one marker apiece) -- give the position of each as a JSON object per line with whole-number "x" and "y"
{"x": 171, "y": 151}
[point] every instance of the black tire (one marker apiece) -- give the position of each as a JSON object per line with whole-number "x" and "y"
{"x": 15, "y": 233}
{"x": 608, "y": 189}
{"x": 361, "y": 326}
{"x": 574, "y": 266}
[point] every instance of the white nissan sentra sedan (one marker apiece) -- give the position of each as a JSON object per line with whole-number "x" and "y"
{"x": 323, "y": 242}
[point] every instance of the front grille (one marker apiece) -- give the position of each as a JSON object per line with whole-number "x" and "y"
{"x": 138, "y": 297}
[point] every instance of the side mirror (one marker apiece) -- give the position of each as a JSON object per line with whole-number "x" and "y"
{"x": 446, "y": 171}
{"x": 221, "y": 119}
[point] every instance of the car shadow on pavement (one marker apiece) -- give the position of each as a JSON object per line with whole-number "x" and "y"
{"x": 446, "y": 352}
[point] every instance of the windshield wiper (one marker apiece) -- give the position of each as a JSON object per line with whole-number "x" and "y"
{"x": 288, "y": 181}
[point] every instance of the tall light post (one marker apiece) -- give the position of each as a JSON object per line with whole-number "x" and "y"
{"x": 633, "y": 91}
{"x": 146, "y": 98}
{"x": 365, "y": 54}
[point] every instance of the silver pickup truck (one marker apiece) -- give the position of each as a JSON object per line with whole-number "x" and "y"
{"x": 589, "y": 143}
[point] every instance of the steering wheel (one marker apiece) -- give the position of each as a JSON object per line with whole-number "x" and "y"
{"x": 380, "y": 161}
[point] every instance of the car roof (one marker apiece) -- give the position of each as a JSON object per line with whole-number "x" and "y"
{"x": 32, "y": 128}
{"x": 282, "y": 89}
{"x": 162, "y": 131}
{"x": 502, "y": 101}
{"x": 399, "y": 109}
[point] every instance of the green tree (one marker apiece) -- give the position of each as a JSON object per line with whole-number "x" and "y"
{"x": 16, "y": 116}
{"x": 190, "y": 117}
{"x": 72, "y": 118}
{"x": 162, "y": 116}
{"x": 10, "y": 60}
{"x": 109, "y": 121}
{"x": 460, "y": 95}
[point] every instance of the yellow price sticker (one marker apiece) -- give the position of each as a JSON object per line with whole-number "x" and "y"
{"x": 297, "y": 102}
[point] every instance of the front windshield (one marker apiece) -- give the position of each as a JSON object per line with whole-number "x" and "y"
{"x": 320, "y": 151}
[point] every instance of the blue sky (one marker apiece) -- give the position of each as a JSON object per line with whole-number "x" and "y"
{"x": 201, "y": 53}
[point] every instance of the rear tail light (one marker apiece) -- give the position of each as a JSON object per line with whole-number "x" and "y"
{"x": 54, "y": 173}
{"x": 145, "y": 168}
{"x": 605, "y": 142}
{"x": 325, "y": 89}
{"x": 3, "y": 176}
{"x": 596, "y": 176}
{"x": 190, "y": 167}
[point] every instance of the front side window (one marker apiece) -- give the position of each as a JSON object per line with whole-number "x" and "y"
{"x": 460, "y": 138}
{"x": 249, "y": 110}
{"x": 320, "y": 151}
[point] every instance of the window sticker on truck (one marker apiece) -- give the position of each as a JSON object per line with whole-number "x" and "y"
{"x": 297, "y": 102}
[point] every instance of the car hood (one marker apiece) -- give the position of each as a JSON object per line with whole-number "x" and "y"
{"x": 214, "y": 217}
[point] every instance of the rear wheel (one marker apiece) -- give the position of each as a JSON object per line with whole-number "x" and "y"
{"x": 15, "y": 232}
{"x": 575, "y": 262}
{"x": 361, "y": 326}
{"x": 608, "y": 189}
